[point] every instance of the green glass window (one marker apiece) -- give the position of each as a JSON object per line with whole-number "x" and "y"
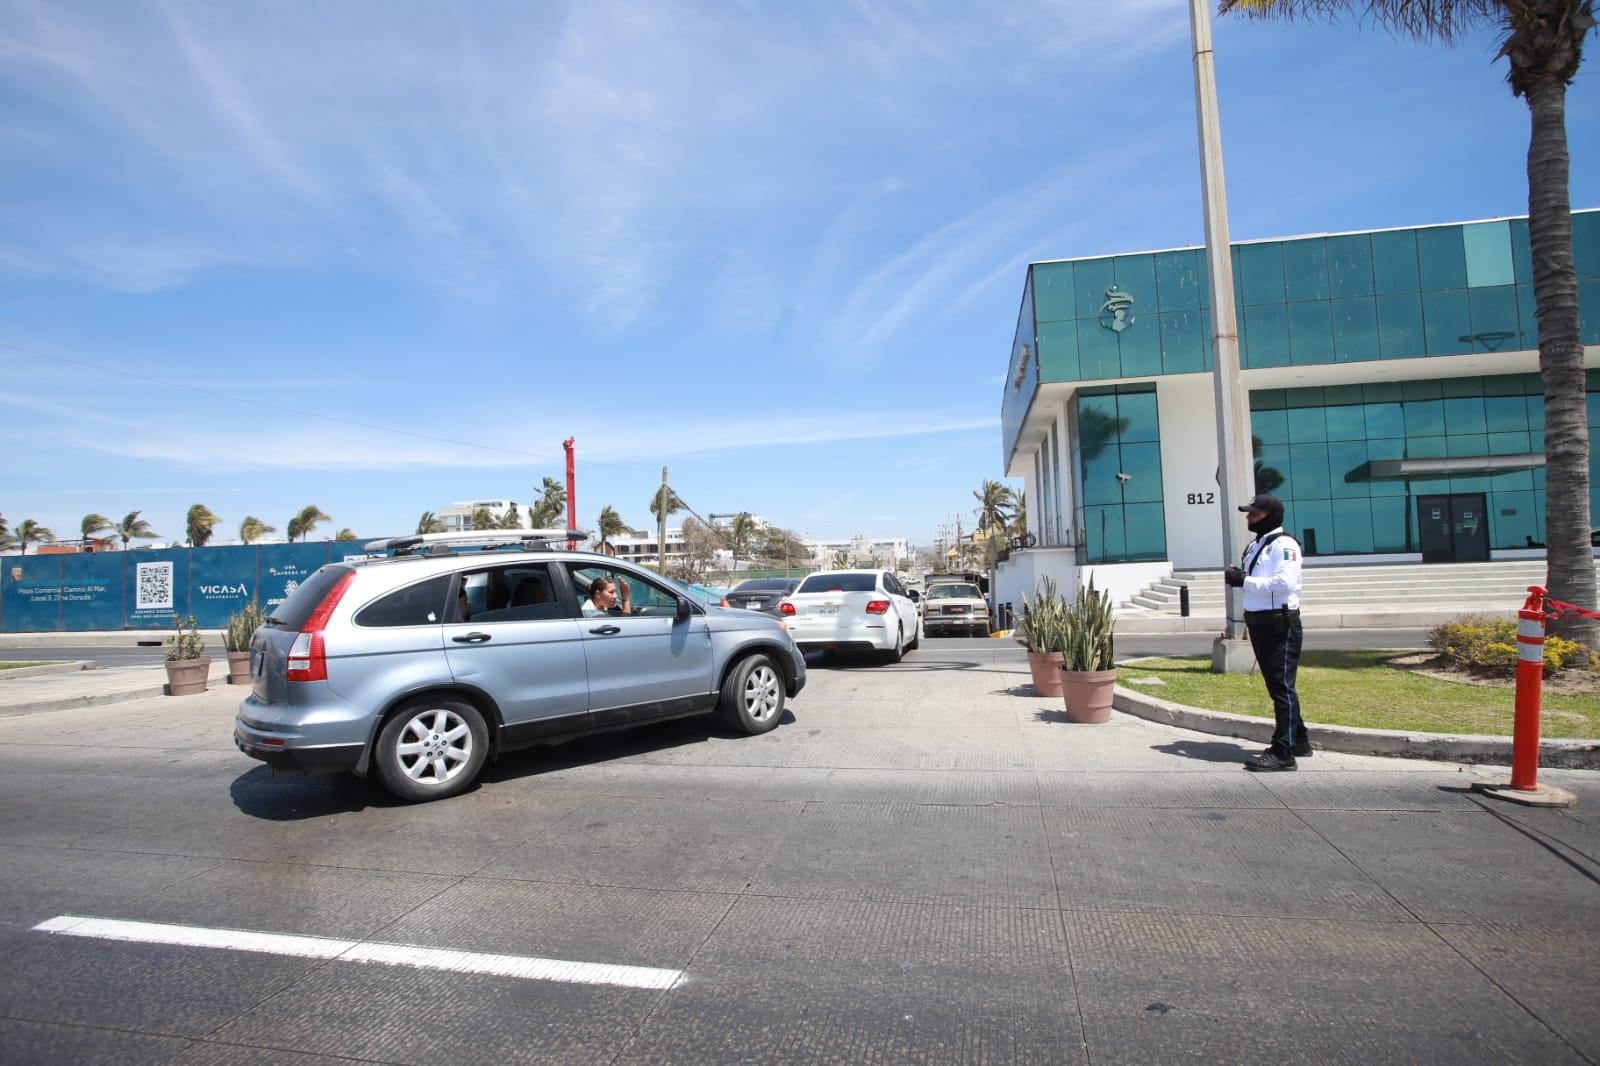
{"x": 1307, "y": 425}
{"x": 1313, "y": 525}
{"x": 1585, "y": 244}
{"x": 1450, "y": 387}
{"x": 1262, "y": 267}
{"x": 1589, "y": 309}
{"x": 1266, "y": 336}
{"x": 1182, "y": 343}
{"x": 1272, "y": 427}
{"x": 1465, "y": 415}
{"x": 1098, "y": 352}
{"x": 1505, "y": 414}
{"x": 1394, "y": 261}
{"x": 1527, "y": 319}
{"x": 1511, "y": 520}
{"x": 1103, "y": 530}
{"x": 1442, "y": 258}
{"x": 1521, "y": 254}
{"x": 1090, "y": 280}
{"x": 1136, "y": 412}
{"x": 1271, "y": 467}
{"x": 1385, "y": 420}
{"x": 1058, "y": 351}
{"x": 1052, "y": 293}
{"x": 1386, "y": 448}
{"x": 1142, "y": 465}
{"x": 1495, "y": 327}
{"x": 1424, "y": 419}
{"x": 1389, "y": 526}
{"x": 1178, "y": 280}
{"x": 1347, "y": 422}
{"x": 1347, "y": 468}
{"x": 1446, "y": 323}
{"x": 1305, "y": 269}
{"x": 1136, "y": 275}
{"x": 1145, "y": 531}
{"x": 1400, "y": 326}
{"x": 1355, "y": 329}
{"x": 1308, "y": 471}
{"x": 1311, "y": 332}
{"x": 1352, "y": 526}
{"x": 1349, "y": 265}
{"x": 1488, "y": 252}
{"x": 1140, "y": 346}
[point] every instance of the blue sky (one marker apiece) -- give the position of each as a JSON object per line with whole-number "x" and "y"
{"x": 777, "y": 247}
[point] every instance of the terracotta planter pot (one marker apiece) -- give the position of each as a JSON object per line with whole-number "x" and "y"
{"x": 238, "y": 668}
{"x": 188, "y": 676}
{"x": 1087, "y": 694}
{"x": 1046, "y": 667}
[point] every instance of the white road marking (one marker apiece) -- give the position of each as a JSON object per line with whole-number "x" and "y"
{"x": 525, "y": 967}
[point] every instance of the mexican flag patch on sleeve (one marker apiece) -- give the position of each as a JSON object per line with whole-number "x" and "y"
{"x": 1288, "y": 555}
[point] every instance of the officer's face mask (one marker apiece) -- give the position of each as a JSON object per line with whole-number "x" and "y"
{"x": 1268, "y": 521}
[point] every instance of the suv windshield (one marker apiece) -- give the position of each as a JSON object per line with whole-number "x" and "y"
{"x": 952, "y": 592}
{"x": 839, "y": 583}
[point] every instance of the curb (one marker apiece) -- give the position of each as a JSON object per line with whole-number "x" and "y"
{"x": 219, "y": 673}
{"x": 68, "y": 666}
{"x": 1447, "y": 747}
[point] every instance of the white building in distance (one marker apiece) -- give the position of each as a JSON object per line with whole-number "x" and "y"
{"x": 458, "y": 516}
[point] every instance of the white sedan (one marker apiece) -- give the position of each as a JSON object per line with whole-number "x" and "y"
{"x": 860, "y": 609}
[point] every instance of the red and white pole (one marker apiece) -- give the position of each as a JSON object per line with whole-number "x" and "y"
{"x": 572, "y": 497}
{"x": 1530, "y": 675}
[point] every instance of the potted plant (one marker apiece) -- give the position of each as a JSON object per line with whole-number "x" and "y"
{"x": 242, "y": 625}
{"x": 187, "y": 668}
{"x": 1042, "y": 630}
{"x": 1088, "y": 678}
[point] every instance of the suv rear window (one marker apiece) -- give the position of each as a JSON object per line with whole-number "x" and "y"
{"x": 293, "y": 612}
{"x": 839, "y": 583}
{"x": 421, "y": 604}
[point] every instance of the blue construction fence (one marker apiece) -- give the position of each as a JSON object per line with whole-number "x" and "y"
{"x": 144, "y": 589}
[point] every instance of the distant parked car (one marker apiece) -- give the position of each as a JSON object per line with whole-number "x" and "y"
{"x": 860, "y": 609}
{"x": 761, "y": 594}
{"x": 955, "y": 607}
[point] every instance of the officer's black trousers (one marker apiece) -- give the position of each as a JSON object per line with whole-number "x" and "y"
{"x": 1277, "y": 648}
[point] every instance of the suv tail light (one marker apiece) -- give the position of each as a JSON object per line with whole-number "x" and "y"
{"x": 878, "y": 607}
{"x": 308, "y": 656}
{"x": 786, "y": 608}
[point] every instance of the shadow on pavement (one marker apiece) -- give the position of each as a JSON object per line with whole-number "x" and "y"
{"x": 1207, "y": 750}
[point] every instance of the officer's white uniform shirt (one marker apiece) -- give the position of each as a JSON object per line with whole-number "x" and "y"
{"x": 1275, "y": 582}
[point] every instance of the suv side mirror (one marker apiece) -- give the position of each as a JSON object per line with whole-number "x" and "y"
{"x": 683, "y": 611}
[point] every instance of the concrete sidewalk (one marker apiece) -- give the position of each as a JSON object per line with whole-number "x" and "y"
{"x": 92, "y": 688}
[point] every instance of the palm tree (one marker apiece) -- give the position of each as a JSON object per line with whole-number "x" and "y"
{"x": 7, "y": 541}
{"x": 550, "y": 505}
{"x": 199, "y": 524}
{"x": 740, "y": 530}
{"x": 92, "y": 524}
{"x": 132, "y": 527}
{"x": 344, "y": 534}
{"x": 1542, "y": 41}
{"x": 610, "y": 524}
{"x": 512, "y": 519}
{"x": 665, "y": 498}
{"x": 304, "y": 522}
{"x": 31, "y": 532}
{"x": 483, "y": 518}
{"x": 430, "y": 523}
{"x": 253, "y": 528}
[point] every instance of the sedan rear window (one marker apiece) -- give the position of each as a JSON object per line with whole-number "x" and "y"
{"x": 765, "y": 584}
{"x": 839, "y": 583}
{"x": 293, "y": 612}
{"x": 948, "y": 592}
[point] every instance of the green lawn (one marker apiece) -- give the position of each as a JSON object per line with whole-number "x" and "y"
{"x": 1354, "y": 688}
{"x": 18, "y": 666}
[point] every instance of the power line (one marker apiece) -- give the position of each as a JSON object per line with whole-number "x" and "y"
{"x": 164, "y": 382}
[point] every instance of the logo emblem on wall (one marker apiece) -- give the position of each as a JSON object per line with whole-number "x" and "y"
{"x": 1115, "y": 312}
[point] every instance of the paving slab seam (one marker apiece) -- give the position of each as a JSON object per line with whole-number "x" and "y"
{"x": 1157, "y": 912}
{"x": 1066, "y": 939}
{"x": 1552, "y": 1030}
{"x": 190, "y": 1041}
{"x": 1543, "y": 839}
{"x": 508, "y": 879}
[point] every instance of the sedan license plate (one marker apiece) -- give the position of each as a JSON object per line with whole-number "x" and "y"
{"x": 827, "y": 611}
{"x": 756, "y": 603}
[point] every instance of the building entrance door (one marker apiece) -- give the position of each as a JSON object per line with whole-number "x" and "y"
{"x": 1453, "y": 528}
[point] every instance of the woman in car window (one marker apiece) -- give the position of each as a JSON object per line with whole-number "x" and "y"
{"x": 602, "y": 598}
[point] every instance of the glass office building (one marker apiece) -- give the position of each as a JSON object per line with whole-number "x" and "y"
{"x": 1393, "y": 388}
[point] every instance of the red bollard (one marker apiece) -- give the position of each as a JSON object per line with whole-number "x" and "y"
{"x": 1530, "y": 676}
{"x": 1524, "y": 787}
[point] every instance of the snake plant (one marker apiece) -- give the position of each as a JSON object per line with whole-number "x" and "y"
{"x": 1087, "y": 622}
{"x": 242, "y": 625}
{"x": 1042, "y": 625}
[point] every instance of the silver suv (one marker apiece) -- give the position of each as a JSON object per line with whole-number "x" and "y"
{"x": 423, "y": 665}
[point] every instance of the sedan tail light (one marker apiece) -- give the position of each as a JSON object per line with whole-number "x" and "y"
{"x": 786, "y": 608}
{"x": 723, "y": 602}
{"x": 878, "y": 607}
{"x": 308, "y": 656}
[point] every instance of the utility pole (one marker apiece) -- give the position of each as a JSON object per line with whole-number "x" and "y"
{"x": 1230, "y": 653}
{"x": 661, "y": 524}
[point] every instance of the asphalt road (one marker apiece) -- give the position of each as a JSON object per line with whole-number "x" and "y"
{"x": 923, "y": 863}
{"x": 1129, "y": 646}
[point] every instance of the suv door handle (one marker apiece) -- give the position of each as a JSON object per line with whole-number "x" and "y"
{"x": 606, "y": 630}
{"x": 471, "y": 638}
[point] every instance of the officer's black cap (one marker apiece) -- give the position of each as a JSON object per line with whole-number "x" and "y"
{"x": 1263, "y": 502}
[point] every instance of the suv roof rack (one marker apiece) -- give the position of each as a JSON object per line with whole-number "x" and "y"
{"x": 481, "y": 539}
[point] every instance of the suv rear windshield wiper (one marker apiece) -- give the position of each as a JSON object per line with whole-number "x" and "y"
{"x": 271, "y": 621}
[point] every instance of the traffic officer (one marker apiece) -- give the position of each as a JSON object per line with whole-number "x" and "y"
{"x": 1270, "y": 576}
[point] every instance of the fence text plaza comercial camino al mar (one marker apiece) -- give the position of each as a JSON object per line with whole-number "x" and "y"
{"x": 1394, "y": 396}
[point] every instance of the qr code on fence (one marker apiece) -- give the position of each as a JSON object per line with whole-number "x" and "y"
{"x": 154, "y": 590}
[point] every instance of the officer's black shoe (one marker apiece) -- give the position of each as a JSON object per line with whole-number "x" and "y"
{"x": 1268, "y": 762}
{"x": 1301, "y": 751}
